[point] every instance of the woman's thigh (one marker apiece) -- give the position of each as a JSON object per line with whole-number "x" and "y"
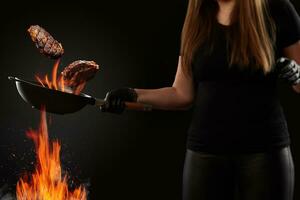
{"x": 260, "y": 176}
{"x": 207, "y": 177}
{"x": 266, "y": 176}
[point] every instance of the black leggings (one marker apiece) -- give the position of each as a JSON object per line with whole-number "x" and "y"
{"x": 255, "y": 176}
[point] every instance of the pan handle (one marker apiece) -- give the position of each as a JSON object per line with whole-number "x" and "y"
{"x": 128, "y": 105}
{"x": 138, "y": 106}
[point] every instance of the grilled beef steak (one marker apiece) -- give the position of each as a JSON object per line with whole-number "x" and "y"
{"x": 46, "y": 44}
{"x": 79, "y": 72}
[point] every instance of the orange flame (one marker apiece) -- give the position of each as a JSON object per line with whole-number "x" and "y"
{"x": 47, "y": 182}
{"x": 57, "y": 83}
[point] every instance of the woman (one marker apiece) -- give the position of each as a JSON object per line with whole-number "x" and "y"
{"x": 231, "y": 58}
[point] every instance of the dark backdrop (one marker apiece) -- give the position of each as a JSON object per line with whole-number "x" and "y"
{"x": 131, "y": 156}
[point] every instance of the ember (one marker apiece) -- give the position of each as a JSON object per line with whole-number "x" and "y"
{"x": 47, "y": 182}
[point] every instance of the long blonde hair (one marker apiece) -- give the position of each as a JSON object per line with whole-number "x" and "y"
{"x": 250, "y": 39}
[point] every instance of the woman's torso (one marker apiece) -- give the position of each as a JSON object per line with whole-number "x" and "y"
{"x": 236, "y": 109}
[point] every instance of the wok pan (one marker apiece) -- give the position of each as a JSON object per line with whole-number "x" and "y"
{"x": 59, "y": 102}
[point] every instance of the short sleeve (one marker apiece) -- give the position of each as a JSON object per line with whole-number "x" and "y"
{"x": 287, "y": 22}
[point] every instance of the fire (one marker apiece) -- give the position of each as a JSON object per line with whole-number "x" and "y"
{"x": 57, "y": 83}
{"x": 47, "y": 182}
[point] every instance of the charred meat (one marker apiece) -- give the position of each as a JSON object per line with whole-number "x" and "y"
{"x": 79, "y": 72}
{"x": 46, "y": 44}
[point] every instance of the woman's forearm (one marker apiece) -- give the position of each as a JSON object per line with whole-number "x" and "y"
{"x": 296, "y": 88}
{"x": 166, "y": 98}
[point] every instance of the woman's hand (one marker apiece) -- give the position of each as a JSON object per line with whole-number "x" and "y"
{"x": 115, "y": 100}
{"x": 289, "y": 70}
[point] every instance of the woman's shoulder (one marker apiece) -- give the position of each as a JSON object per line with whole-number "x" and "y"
{"x": 282, "y": 11}
{"x": 287, "y": 21}
{"x": 280, "y": 6}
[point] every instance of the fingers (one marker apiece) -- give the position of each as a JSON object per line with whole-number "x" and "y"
{"x": 115, "y": 99}
{"x": 288, "y": 73}
{"x": 117, "y": 106}
{"x": 108, "y": 94}
{"x": 289, "y": 70}
{"x": 114, "y": 104}
{"x": 290, "y": 67}
{"x": 282, "y": 62}
{"x": 293, "y": 79}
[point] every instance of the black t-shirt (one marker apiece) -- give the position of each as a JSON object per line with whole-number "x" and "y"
{"x": 238, "y": 110}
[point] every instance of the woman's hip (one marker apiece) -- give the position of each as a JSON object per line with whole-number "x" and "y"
{"x": 266, "y": 175}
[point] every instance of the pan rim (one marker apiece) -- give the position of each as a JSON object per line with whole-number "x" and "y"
{"x": 35, "y": 84}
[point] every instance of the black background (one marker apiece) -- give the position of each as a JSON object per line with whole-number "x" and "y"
{"x": 136, "y": 43}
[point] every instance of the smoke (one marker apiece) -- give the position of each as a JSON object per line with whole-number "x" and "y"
{"x": 6, "y": 194}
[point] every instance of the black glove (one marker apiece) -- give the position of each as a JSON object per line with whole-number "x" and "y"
{"x": 115, "y": 100}
{"x": 289, "y": 70}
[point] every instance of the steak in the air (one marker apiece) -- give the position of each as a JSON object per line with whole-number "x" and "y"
{"x": 46, "y": 44}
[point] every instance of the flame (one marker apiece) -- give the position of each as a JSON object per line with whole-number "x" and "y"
{"x": 47, "y": 182}
{"x": 57, "y": 83}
